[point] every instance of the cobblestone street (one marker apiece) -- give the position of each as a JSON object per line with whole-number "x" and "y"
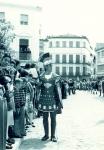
{"x": 79, "y": 127}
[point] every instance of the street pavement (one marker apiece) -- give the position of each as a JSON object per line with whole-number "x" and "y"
{"x": 79, "y": 127}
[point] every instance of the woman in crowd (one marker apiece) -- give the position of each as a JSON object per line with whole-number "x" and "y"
{"x": 8, "y": 72}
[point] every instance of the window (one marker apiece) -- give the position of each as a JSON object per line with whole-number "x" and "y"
{"x": 100, "y": 68}
{"x": 64, "y": 71}
{"x": 98, "y": 54}
{"x": 77, "y": 44}
{"x": 71, "y": 71}
{"x": 23, "y": 44}
{"x": 70, "y": 43}
{"x": 70, "y": 58}
{"x": 41, "y": 46}
{"x": 63, "y": 43}
{"x": 84, "y": 70}
{"x": 57, "y": 44}
{"x": 64, "y": 59}
{"x": 2, "y": 16}
{"x": 50, "y": 44}
{"x": 102, "y": 53}
{"x": 94, "y": 71}
{"x": 84, "y": 59}
{"x": 57, "y": 70}
{"x": 84, "y": 44}
{"x": 77, "y": 70}
{"x": 24, "y": 19}
{"x": 24, "y": 51}
{"x": 77, "y": 58}
{"x": 57, "y": 59}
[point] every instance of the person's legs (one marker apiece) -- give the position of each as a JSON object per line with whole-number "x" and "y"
{"x": 17, "y": 125}
{"x": 27, "y": 117}
{"x": 22, "y": 121}
{"x": 103, "y": 92}
{"x": 46, "y": 125}
{"x": 53, "y": 125}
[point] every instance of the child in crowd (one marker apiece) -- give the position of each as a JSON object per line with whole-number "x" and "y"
{"x": 29, "y": 100}
{"x": 19, "y": 114}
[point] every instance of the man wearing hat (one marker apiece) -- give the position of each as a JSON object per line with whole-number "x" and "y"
{"x": 50, "y": 99}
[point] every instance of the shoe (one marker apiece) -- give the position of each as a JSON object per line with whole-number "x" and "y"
{"x": 23, "y": 134}
{"x": 28, "y": 123}
{"x": 53, "y": 139}
{"x": 18, "y": 136}
{"x": 11, "y": 140}
{"x": 27, "y": 127}
{"x": 45, "y": 138}
{"x": 9, "y": 147}
{"x": 33, "y": 125}
{"x": 9, "y": 143}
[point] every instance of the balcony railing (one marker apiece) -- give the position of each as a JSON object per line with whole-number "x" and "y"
{"x": 83, "y": 63}
{"x": 25, "y": 55}
{"x": 21, "y": 55}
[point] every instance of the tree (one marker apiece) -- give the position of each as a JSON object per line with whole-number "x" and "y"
{"x": 6, "y": 35}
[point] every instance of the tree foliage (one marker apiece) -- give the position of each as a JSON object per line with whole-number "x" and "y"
{"x": 6, "y": 34}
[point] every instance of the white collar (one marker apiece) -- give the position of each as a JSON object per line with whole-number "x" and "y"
{"x": 48, "y": 76}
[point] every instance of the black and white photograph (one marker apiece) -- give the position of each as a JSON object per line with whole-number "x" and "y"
{"x": 51, "y": 75}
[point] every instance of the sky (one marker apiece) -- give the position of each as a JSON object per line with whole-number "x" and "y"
{"x": 79, "y": 17}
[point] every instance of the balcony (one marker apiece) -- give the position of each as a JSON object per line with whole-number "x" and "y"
{"x": 79, "y": 63}
{"x": 25, "y": 55}
{"x": 21, "y": 55}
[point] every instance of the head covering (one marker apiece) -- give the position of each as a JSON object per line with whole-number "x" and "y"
{"x": 7, "y": 78}
{"x": 6, "y": 55}
{"x": 46, "y": 59}
{"x": 18, "y": 80}
{"x": 23, "y": 73}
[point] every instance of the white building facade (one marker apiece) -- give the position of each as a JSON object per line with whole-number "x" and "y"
{"x": 26, "y": 19}
{"x": 99, "y": 59}
{"x": 72, "y": 56}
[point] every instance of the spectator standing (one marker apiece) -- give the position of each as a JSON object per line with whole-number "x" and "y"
{"x": 103, "y": 86}
{"x": 3, "y": 118}
{"x": 19, "y": 114}
{"x": 8, "y": 73}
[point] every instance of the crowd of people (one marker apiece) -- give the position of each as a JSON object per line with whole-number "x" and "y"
{"x": 93, "y": 85}
{"x": 18, "y": 93}
{"x": 27, "y": 93}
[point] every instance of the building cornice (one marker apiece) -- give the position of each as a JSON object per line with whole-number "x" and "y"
{"x": 21, "y": 6}
{"x": 98, "y": 49}
{"x": 44, "y": 40}
{"x": 68, "y": 36}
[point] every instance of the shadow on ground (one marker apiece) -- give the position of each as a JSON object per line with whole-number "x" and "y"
{"x": 32, "y": 144}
